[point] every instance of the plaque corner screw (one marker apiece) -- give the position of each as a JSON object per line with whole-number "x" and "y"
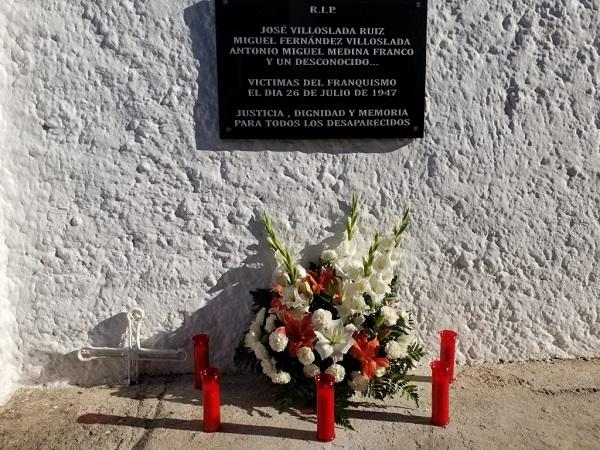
{"x": 228, "y": 129}
{"x": 415, "y": 128}
{"x": 418, "y": 4}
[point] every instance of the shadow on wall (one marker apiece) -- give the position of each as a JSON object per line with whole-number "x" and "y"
{"x": 219, "y": 318}
{"x": 200, "y": 20}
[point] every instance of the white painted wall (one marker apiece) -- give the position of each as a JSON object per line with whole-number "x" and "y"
{"x": 117, "y": 192}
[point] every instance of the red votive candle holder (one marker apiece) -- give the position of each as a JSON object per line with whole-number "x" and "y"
{"x": 211, "y": 399}
{"x": 325, "y": 407}
{"x": 440, "y": 394}
{"x": 200, "y": 357}
{"x": 447, "y": 350}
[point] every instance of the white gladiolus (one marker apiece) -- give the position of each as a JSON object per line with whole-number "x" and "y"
{"x": 387, "y": 243}
{"x": 390, "y": 315}
{"x": 311, "y": 371}
{"x": 281, "y": 378}
{"x": 294, "y": 299}
{"x": 270, "y": 323}
{"x": 380, "y": 371}
{"x": 346, "y": 249}
{"x": 349, "y": 269}
{"x": 351, "y": 290}
{"x": 301, "y": 271}
{"x": 394, "y": 256}
{"x": 358, "y": 382}
{"x": 278, "y": 341}
{"x": 305, "y": 356}
{"x": 363, "y": 285}
{"x": 321, "y": 318}
{"x": 350, "y": 306}
{"x": 337, "y": 371}
{"x": 378, "y": 286}
{"x": 387, "y": 276}
{"x": 280, "y": 276}
{"x": 382, "y": 263}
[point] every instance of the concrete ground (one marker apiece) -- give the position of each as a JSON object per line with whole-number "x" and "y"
{"x": 537, "y": 405}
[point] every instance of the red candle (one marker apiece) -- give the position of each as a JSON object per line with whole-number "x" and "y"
{"x": 200, "y": 356}
{"x": 211, "y": 398}
{"x": 440, "y": 394}
{"x": 325, "y": 407}
{"x": 447, "y": 350}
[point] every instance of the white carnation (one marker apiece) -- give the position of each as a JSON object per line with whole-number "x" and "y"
{"x": 270, "y": 323}
{"x": 321, "y": 318}
{"x": 358, "y": 382}
{"x": 337, "y": 371}
{"x": 278, "y": 341}
{"x": 281, "y": 378}
{"x": 256, "y": 325}
{"x": 404, "y": 341}
{"x": 329, "y": 255}
{"x": 393, "y": 350}
{"x": 267, "y": 367}
{"x": 346, "y": 248}
{"x": 305, "y": 356}
{"x": 311, "y": 371}
{"x": 390, "y": 315}
{"x": 380, "y": 371}
{"x": 261, "y": 351}
{"x": 250, "y": 340}
{"x": 405, "y": 317}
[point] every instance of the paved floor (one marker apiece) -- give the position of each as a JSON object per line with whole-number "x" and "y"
{"x": 538, "y": 405}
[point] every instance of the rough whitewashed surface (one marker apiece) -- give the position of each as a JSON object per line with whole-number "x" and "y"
{"x": 115, "y": 190}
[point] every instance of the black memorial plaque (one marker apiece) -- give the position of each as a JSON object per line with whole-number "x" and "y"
{"x": 321, "y": 68}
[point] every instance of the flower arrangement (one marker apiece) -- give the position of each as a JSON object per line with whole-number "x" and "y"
{"x": 341, "y": 315}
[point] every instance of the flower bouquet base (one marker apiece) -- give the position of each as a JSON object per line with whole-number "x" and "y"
{"x": 341, "y": 315}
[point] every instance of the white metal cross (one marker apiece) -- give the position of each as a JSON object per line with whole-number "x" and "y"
{"x": 132, "y": 351}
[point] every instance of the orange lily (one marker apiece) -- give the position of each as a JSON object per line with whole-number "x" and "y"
{"x": 299, "y": 332}
{"x": 321, "y": 282}
{"x": 366, "y": 352}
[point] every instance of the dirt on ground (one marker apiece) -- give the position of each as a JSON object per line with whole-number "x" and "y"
{"x": 536, "y": 405}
